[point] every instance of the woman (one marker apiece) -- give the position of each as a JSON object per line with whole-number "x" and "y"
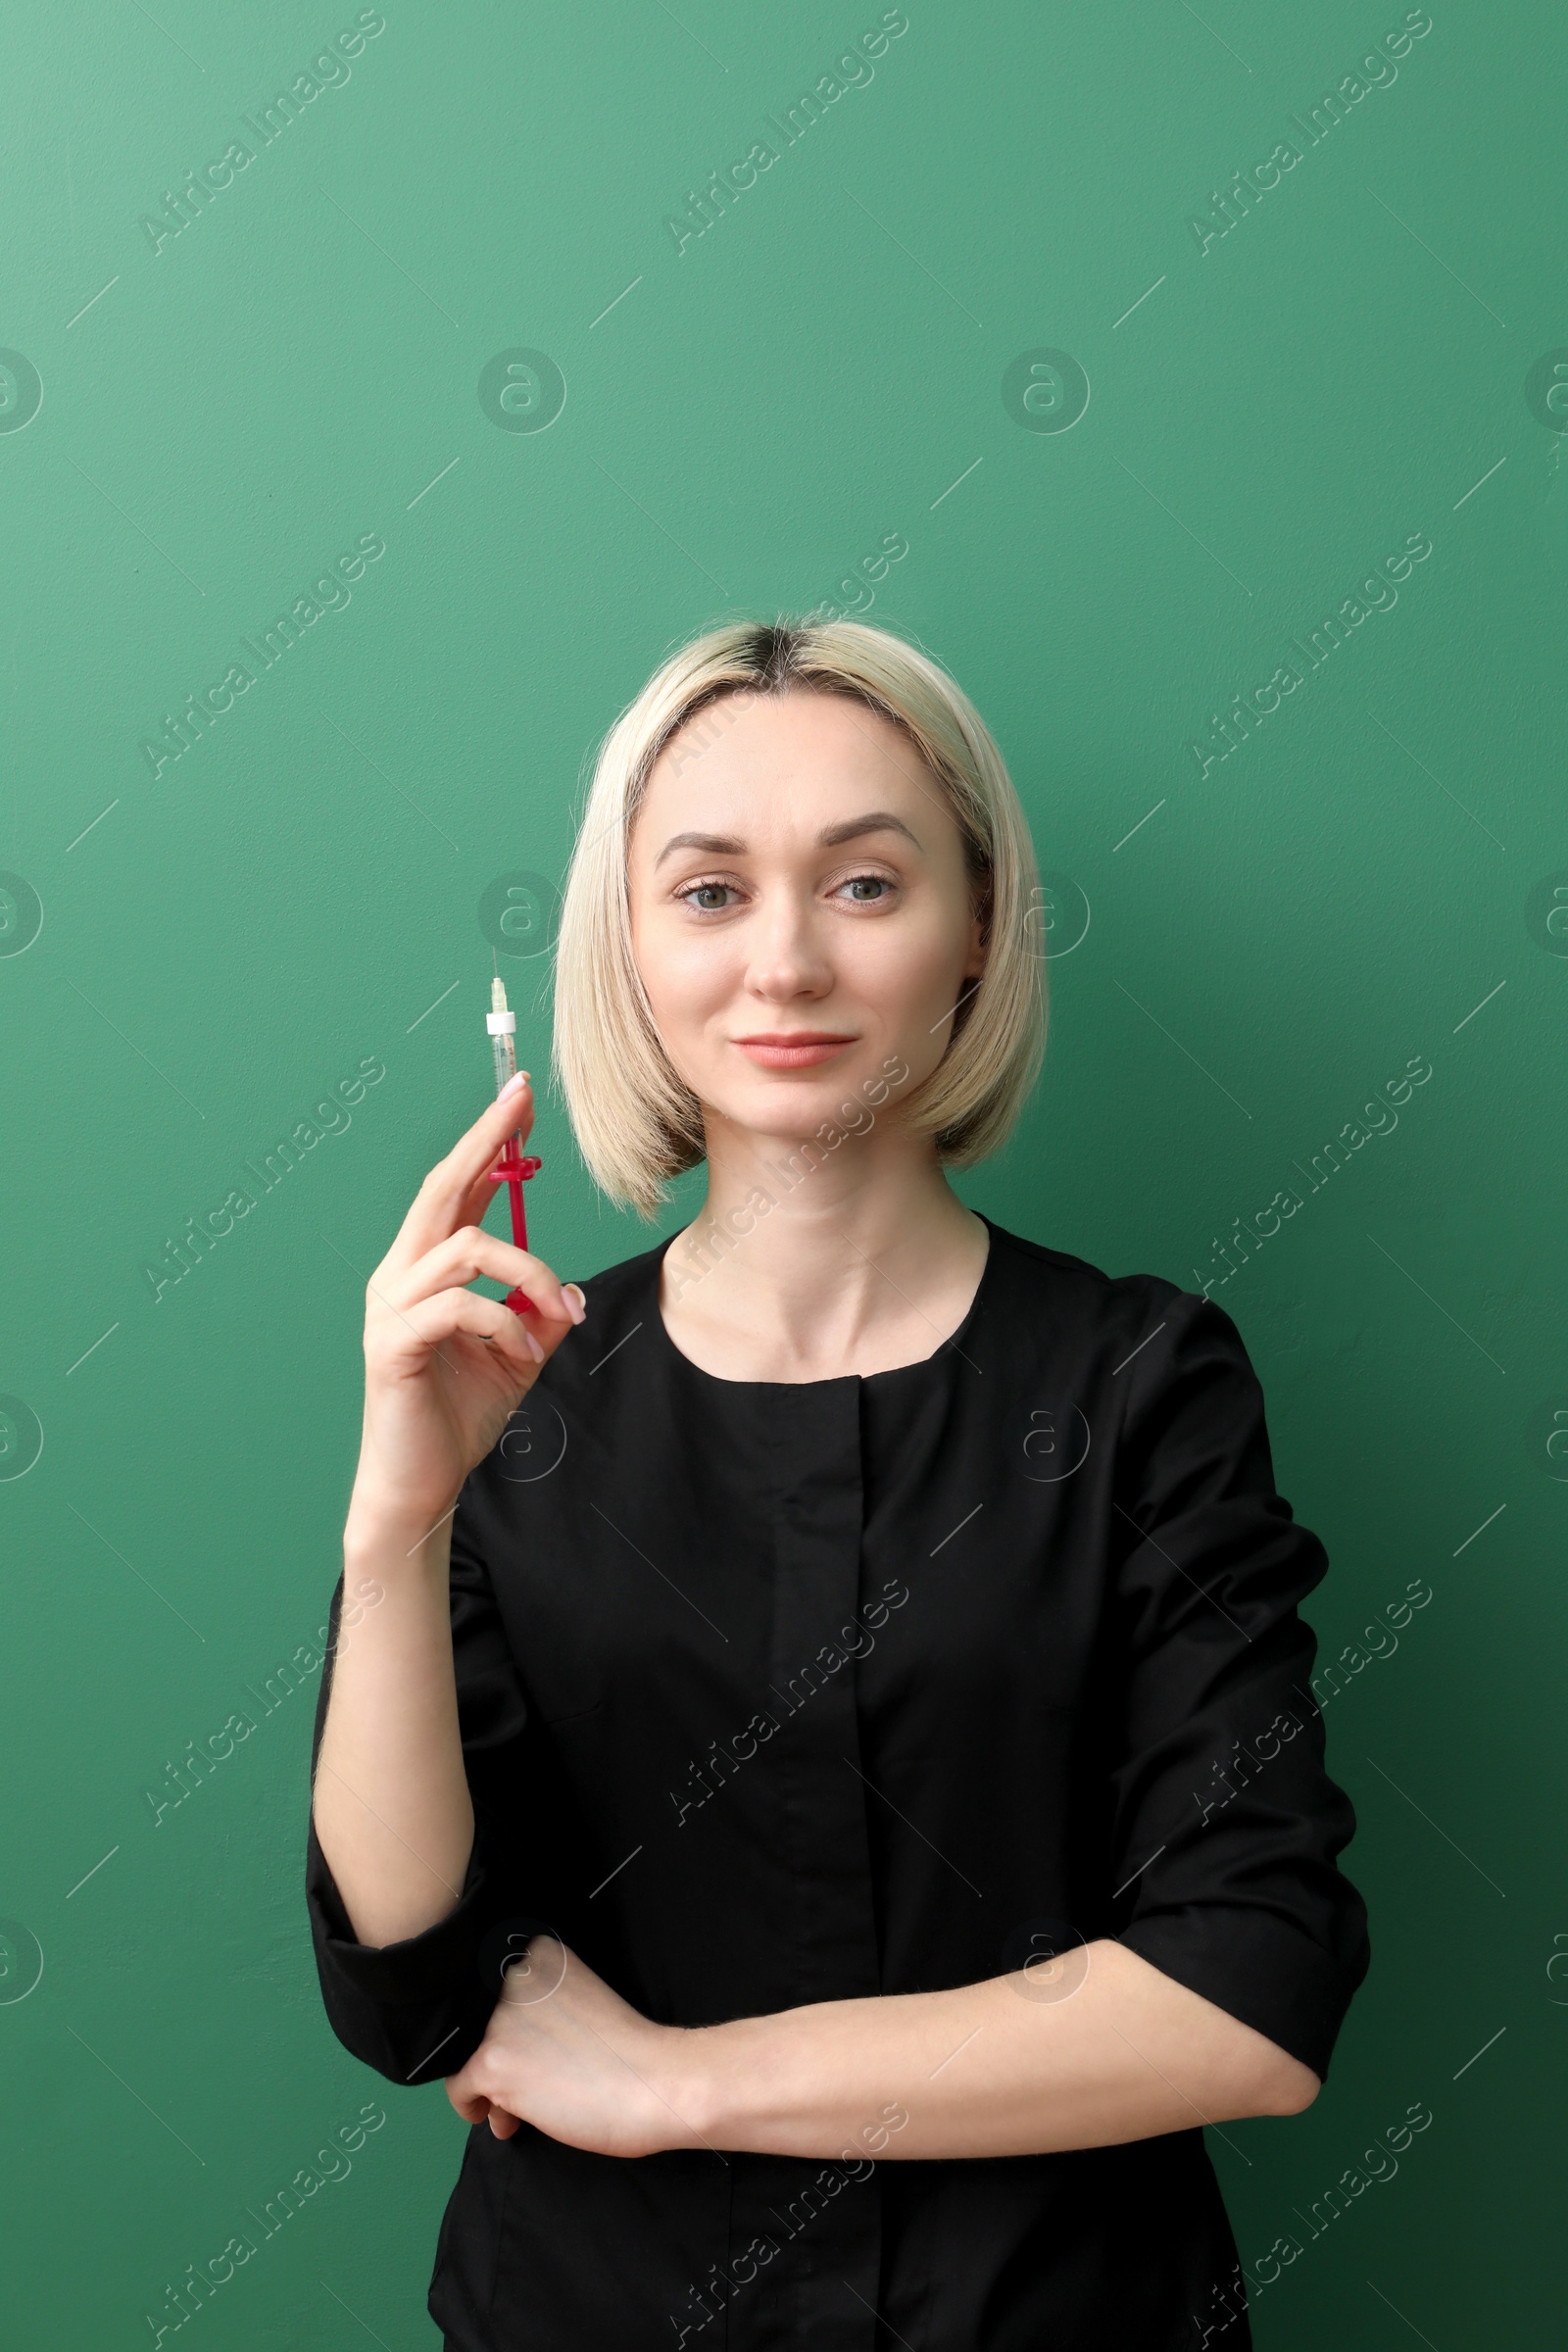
{"x": 823, "y": 1764}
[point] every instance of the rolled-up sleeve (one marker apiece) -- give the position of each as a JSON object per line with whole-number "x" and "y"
{"x": 1227, "y": 1823}
{"x": 415, "y": 2011}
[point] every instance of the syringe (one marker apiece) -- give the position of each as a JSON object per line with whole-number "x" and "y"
{"x": 513, "y": 1168}
{"x": 502, "y": 1025}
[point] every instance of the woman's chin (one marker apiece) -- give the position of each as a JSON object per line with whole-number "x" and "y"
{"x": 786, "y": 1109}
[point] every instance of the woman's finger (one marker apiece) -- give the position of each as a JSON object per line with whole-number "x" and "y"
{"x": 472, "y": 1251}
{"x": 439, "y": 1204}
{"x": 471, "y": 2105}
{"x": 419, "y": 1329}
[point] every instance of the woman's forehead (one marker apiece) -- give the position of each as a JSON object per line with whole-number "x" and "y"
{"x": 801, "y": 756}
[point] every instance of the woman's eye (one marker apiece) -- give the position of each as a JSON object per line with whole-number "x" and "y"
{"x": 716, "y": 897}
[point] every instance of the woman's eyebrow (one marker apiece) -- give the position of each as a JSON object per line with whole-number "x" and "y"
{"x": 879, "y": 822}
{"x": 723, "y": 844}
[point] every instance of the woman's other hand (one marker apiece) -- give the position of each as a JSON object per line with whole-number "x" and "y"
{"x": 566, "y": 2054}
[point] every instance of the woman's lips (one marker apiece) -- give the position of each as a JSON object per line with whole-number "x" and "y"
{"x": 793, "y": 1053}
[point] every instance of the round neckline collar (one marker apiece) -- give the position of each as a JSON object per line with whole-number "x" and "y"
{"x": 664, "y": 1342}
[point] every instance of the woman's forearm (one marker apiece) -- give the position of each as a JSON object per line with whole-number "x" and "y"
{"x": 391, "y": 1803}
{"x": 1109, "y": 2051}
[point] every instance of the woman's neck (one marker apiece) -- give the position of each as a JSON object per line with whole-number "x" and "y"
{"x": 809, "y": 1262}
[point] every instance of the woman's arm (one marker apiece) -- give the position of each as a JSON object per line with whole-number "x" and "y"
{"x": 414, "y": 2008}
{"x": 1101, "y": 2048}
{"x": 988, "y": 2069}
{"x": 392, "y": 1808}
{"x": 444, "y": 1370}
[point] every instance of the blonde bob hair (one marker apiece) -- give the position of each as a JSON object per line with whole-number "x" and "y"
{"x": 636, "y": 1121}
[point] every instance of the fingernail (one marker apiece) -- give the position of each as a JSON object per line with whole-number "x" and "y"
{"x": 577, "y": 1303}
{"x": 534, "y": 1348}
{"x": 511, "y": 1085}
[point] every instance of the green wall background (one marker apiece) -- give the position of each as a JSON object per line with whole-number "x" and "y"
{"x": 1368, "y": 879}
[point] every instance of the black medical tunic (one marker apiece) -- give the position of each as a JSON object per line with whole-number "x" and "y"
{"x": 774, "y": 1693}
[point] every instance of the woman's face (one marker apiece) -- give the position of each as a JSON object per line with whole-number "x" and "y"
{"x": 800, "y": 914}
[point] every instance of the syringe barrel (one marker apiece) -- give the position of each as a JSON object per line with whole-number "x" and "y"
{"x": 501, "y": 1026}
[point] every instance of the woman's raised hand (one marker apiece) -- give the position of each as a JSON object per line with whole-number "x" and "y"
{"x": 445, "y": 1368}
